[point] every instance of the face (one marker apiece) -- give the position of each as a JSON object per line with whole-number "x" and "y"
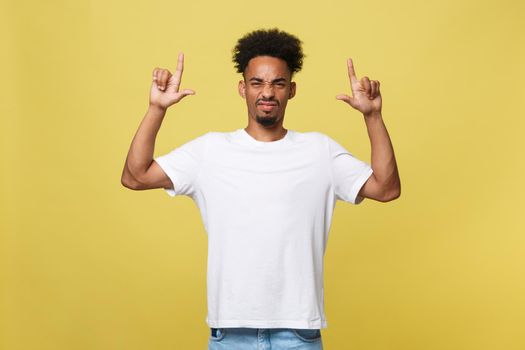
{"x": 267, "y": 87}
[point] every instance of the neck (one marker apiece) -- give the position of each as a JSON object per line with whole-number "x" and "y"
{"x": 266, "y": 134}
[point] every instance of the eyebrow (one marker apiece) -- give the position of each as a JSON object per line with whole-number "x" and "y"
{"x": 273, "y": 81}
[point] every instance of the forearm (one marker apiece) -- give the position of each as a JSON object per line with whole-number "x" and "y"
{"x": 140, "y": 154}
{"x": 383, "y": 159}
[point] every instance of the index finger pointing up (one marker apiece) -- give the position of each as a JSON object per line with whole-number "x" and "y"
{"x": 178, "y": 72}
{"x": 180, "y": 62}
{"x": 351, "y": 71}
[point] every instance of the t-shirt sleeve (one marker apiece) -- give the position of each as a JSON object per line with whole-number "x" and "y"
{"x": 349, "y": 173}
{"x": 182, "y": 165}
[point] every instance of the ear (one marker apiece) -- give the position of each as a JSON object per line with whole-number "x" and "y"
{"x": 242, "y": 88}
{"x": 292, "y": 90}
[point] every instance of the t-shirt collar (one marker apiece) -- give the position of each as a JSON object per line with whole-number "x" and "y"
{"x": 243, "y": 135}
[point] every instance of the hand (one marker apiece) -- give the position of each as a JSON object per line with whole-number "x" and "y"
{"x": 165, "y": 87}
{"x": 366, "y": 96}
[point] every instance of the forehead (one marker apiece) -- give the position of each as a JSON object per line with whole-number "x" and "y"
{"x": 267, "y": 67}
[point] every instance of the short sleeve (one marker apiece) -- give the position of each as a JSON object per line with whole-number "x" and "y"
{"x": 349, "y": 173}
{"x": 182, "y": 165}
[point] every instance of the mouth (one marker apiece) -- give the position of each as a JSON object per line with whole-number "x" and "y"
{"x": 267, "y": 106}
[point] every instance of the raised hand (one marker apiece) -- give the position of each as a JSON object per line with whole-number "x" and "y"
{"x": 366, "y": 96}
{"x": 164, "y": 90}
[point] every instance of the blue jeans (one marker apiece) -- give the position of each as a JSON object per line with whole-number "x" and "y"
{"x": 265, "y": 339}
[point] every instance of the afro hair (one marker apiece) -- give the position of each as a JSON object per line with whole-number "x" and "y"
{"x": 270, "y": 42}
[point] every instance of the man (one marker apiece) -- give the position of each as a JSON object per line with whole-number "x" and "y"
{"x": 266, "y": 195}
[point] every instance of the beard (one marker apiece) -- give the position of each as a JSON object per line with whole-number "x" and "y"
{"x": 266, "y": 121}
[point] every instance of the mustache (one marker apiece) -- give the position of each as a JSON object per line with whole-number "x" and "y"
{"x": 267, "y": 100}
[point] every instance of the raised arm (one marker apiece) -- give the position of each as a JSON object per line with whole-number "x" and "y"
{"x": 384, "y": 184}
{"x": 140, "y": 170}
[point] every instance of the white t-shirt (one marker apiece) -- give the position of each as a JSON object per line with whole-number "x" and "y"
{"x": 267, "y": 209}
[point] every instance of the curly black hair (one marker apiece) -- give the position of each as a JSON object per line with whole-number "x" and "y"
{"x": 268, "y": 42}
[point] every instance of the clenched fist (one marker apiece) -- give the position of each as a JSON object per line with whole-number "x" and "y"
{"x": 165, "y": 86}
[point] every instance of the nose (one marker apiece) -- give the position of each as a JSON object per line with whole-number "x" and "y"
{"x": 268, "y": 91}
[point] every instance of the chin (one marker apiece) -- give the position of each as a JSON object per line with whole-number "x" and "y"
{"x": 266, "y": 120}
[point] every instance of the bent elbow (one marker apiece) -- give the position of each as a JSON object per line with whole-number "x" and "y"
{"x": 132, "y": 184}
{"x": 125, "y": 183}
{"x": 392, "y": 194}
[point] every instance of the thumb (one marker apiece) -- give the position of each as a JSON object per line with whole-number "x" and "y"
{"x": 185, "y": 93}
{"x": 346, "y": 99}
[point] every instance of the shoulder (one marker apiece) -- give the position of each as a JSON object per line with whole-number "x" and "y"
{"x": 214, "y": 137}
{"x": 209, "y": 136}
{"x": 310, "y": 136}
{"x": 325, "y": 141}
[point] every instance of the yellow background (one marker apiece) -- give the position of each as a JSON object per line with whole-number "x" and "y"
{"x": 89, "y": 264}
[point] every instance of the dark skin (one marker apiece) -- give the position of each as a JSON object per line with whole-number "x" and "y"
{"x": 384, "y": 184}
{"x": 266, "y": 87}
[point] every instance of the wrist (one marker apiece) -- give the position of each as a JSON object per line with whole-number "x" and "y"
{"x": 373, "y": 115}
{"x": 373, "y": 120}
{"x": 156, "y": 109}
